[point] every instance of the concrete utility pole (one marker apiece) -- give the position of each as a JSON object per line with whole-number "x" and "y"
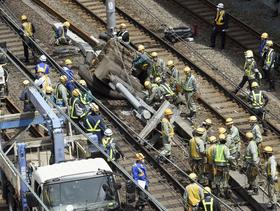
{"x": 111, "y": 16}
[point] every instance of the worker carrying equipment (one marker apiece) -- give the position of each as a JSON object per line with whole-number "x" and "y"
{"x": 61, "y": 37}
{"x": 251, "y": 72}
{"x": 27, "y": 104}
{"x": 271, "y": 175}
{"x": 27, "y": 33}
{"x": 42, "y": 66}
{"x": 61, "y": 94}
{"x": 209, "y": 203}
{"x": 193, "y": 194}
{"x": 123, "y": 34}
{"x": 139, "y": 174}
{"x": 220, "y": 26}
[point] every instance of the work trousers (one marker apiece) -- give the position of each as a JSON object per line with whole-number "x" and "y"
{"x": 271, "y": 78}
{"x": 218, "y": 30}
{"x": 242, "y": 83}
{"x": 221, "y": 178}
{"x": 142, "y": 199}
{"x": 190, "y": 102}
{"x": 211, "y": 171}
{"x": 26, "y": 45}
{"x": 252, "y": 174}
{"x": 272, "y": 192}
{"x": 197, "y": 166}
{"x": 191, "y": 208}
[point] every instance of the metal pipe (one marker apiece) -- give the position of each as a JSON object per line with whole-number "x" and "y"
{"x": 111, "y": 17}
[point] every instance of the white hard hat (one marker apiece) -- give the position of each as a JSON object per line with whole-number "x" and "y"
{"x": 220, "y": 6}
{"x": 43, "y": 58}
{"x": 108, "y": 132}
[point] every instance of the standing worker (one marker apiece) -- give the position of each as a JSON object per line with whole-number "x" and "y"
{"x": 190, "y": 88}
{"x": 67, "y": 69}
{"x": 158, "y": 67}
{"x": 271, "y": 173}
{"x": 251, "y": 163}
{"x": 270, "y": 65}
{"x": 77, "y": 108}
{"x": 139, "y": 173}
{"x": 123, "y": 34}
{"x": 27, "y": 104}
{"x": 255, "y": 129}
{"x": 251, "y": 72}
{"x": 220, "y": 26}
{"x": 193, "y": 194}
{"x": 264, "y": 38}
{"x": 27, "y": 33}
{"x": 175, "y": 76}
{"x": 42, "y": 65}
{"x": 209, "y": 203}
{"x": 61, "y": 37}
{"x": 62, "y": 95}
{"x": 210, "y": 168}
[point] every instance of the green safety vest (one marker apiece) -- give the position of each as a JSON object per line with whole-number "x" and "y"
{"x": 257, "y": 99}
{"x": 267, "y": 60}
{"x": 72, "y": 109}
{"x": 93, "y": 128}
{"x": 167, "y": 90}
{"x": 187, "y": 86}
{"x": 219, "y": 156}
{"x": 205, "y": 203}
{"x": 248, "y": 69}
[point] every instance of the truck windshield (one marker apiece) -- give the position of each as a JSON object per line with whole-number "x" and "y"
{"x": 94, "y": 192}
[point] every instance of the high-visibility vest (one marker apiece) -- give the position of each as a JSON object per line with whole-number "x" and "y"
{"x": 27, "y": 27}
{"x": 94, "y": 128}
{"x": 249, "y": 157}
{"x": 72, "y": 109}
{"x": 248, "y": 69}
{"x": 194, "y": 149}
{"x": 219, "y": 156}
{"x": 193, "y": 194}
{"x": 188, "y": 83}
{"x": 205, "y": 203}
{"x": 170, "y": 132}
{"x": 267, "y": 59}
{"x": 167, "y": 90}
{"x": 106, "y": 141}
{"x": 219, "y": 20}
{"x": 257, "y": 99}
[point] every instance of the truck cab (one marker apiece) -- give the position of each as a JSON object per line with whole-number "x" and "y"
{"x": 76, "y": 185}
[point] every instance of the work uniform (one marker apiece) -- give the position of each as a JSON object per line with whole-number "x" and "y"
{"x": 27, "y": 104}
{"x": 258, "y": 101}
{"x": 139, "y": 173}
{"x": 210, "y": 168}
{"x": 190, "y": 87}
{"x": 221, "y": 157}
{"x": 143, "y": 66}
{"x": 271, "y": 178}
{"x": 70, "y": 79}
{"x": 155, "y": 95}
{"x": 86, "y": 96}
{"x": 61, "y": 95}
{"x": 197, "y": 150}
{"x": 43, "y": 82}
{"x": 251, "y": 164}
{"x": 94, "y": 124}
{"x": 192, "y": 196}
{"x": 256, "y": 130}
{"x": 234, "y": 145}
{"x": 158, "y": 69}
{"x": 175, "y": 77}
{"x": 167, "y": 133}
{"x": 167, "y": 92}
{"x": 29, "y": 31}
{"x": 209, "y": 203}
{"x": 42, "y": 66}
{"x": 262, "y": 47}
{"x": 269, "y": 67}
{"x": 124, "y": 36}
{"x": 61, "y": 35}
{"x": 77, "y": 109}
{"x": 111, "y": 148}
{"x": 220, "y": 26}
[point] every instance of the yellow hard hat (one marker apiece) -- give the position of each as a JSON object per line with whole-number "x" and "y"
{"x": 207, "y": 190}
{"x": 254, "y": 84}
{"x": 76, "y": 92}
{"x": 25, "y": 82}
{"x": 222, "y": 137}
{"x": 264, "y": 35}
{"x": 41, "y": 70}
{"x": 268, "y": 149}
{"x": 141, "y": 47}
{"x": 122, "y": 25}
{"x": 212, "y": 139}
{"x": 147, "y": 84}
{"x": 249, "y": 135}
{"x": 200, "y": 130}
{"x": 94, "y": 107}
{"x": 139, "y": 156}
{"x": 208, "y": 121}
{"x": 170, "y": 63}
{"x": 82, "y": 82}
{"x": 269, "y": 43}
{"x": 63, "y": 78}
{"x": 23, "y": 17}
{"x": 66, "y": 24}
{"x": 222, "y": 130}
{"x": 157, "y": 79}
{"x": 253, "y": 119}
{"x": 168, "y": 111}
{"x": 229, "y": 121}
{"x": 154, "y": 54}
{"x": 187, "y": 70}
{"x": 49, "y": 89}
{"x": 193, "y": 176}
{"x": 249, "y": 54}
{"x": 68, "y": 62}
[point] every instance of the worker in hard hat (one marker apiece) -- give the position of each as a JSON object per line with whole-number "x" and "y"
{"x": 190, "y": 89}
{"x": 50, "y": 96}
{"x": 61, "y": 94}
{"x": 93, "y": 122}
{"x": 255, "y": 129}
{"x": 264, "y": 38}
{"x": 158, "y": 67}
{"x": 221, "y": 157}
{"x": 42, "y": 65}
{"x": 27, "y": 104}
{"x": 142, "y": 64}
{"x": 233, "y": 142}
{"x": 174, "y": 72}
{"x": 251, "y": 72}
{"x": 61, "y": 37}
{"x": 77, "y": 109}
{"x": 43, "y": 80}
{"x": 67, "y": 69}
{"x": 139, "y": 174}
{"x": 271, "y": 174}
{"x": 110, "y": 146}
{"x": 209, "y": 203}
{"x": 123, "y": 34}
{"x": 86, "y": 96}
{"x": 166, "y": 90}
{"x": 27, "y": 33}
{"x": 270, "y": 64}
{"x": 154, "y": 94}
{"x": 220, "y": 26}
{"x": 206, "y": 124}
{"x": 251, "y": 162}
{"x": 197, "y": 152}
{"x": 210, "y": 167}
{"x": 193, "y": 194}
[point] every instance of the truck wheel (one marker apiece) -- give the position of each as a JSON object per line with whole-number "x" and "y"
{"x": 11, "y": 202}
